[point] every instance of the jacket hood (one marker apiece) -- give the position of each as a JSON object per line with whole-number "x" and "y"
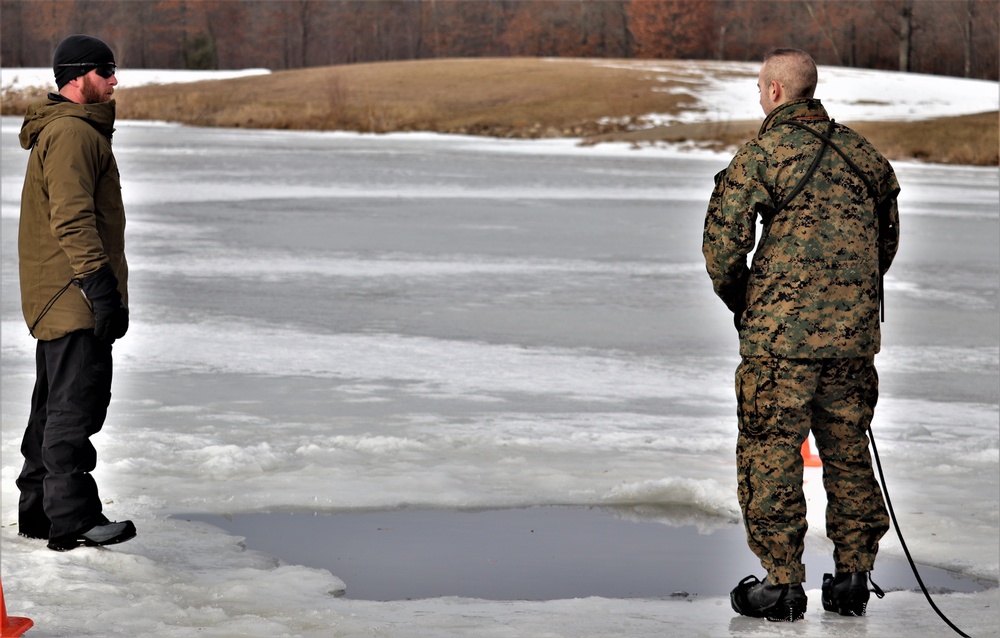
{"x": 41, "y": 114}
{"x": 806, "y": 108}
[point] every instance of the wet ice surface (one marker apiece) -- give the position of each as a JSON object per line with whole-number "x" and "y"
{"x": 329, "y": 323}
{"x": 536, "y": 553}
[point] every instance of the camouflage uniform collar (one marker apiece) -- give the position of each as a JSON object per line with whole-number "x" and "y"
{"x": 805, "y": 109}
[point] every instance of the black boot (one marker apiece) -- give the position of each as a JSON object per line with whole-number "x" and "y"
{"x": 37, "y": 532}
{"x": 35, "y": 527}
{"x": 106, "y": 533}
{"x": 760, "y": 599}
{"x": 847, "y": 594}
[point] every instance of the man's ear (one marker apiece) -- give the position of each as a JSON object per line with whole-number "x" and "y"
{"x": 76, "y": 82}
{"x": 776, "y": 91}
{"x": 74, "y": 88}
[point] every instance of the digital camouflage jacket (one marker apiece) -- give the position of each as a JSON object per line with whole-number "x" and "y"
{"x": 813, "y": 289}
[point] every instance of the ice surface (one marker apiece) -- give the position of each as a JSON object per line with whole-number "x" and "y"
{"x": 332, "y": 322}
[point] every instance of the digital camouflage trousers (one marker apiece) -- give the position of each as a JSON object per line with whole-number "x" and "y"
{"x": 779, "y": 402}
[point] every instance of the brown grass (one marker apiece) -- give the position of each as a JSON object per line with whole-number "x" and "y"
{"x": 504, "y": 97}
{"x": 501, "y": 97}
{"x": 967, "y": 139}
{"x": 963, "y": 139}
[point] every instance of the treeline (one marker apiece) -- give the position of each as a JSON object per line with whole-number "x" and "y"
{"x": 943, "y": 37}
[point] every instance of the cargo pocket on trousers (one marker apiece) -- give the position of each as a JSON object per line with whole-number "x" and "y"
{"x": 747, "y": 384}
{"x": 871, "y": 386}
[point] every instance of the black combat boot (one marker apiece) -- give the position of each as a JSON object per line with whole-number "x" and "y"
{"x": 760, "y": 599}
{"x": 105, "y": 533}
{"x": 847, "y": 594}
{"x": 35, "y": 527}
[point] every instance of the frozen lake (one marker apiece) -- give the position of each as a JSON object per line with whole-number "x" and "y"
{"x": 340, "y": 323}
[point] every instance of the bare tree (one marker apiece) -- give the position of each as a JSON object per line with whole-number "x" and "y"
{"x": 955, "y": 37}
{"x": 905, "y": 35}
{"x": 822, "y": 19}
{"x": 970, "y": 12}
{"x": 12, "y": 44}
{"x": 899, "y": 21}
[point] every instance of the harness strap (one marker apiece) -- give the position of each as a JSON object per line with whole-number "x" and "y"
{"x": 766, "y": 220}
{"x": 827, "y": 141}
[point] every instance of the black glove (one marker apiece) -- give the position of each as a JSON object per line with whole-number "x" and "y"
{"x": 110, "y": 312}
{"x": 735, "y": 297}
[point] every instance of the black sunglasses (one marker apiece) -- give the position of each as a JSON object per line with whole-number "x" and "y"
{"x": 105, "y": 70}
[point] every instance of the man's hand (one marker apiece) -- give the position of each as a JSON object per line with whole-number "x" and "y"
{"x": 110, "y": 313}
{"x": 735, "y": 296}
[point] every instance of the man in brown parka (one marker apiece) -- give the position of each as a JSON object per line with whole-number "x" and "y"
{"x": 807, "y": 312}
{"x": 73, "y": 274}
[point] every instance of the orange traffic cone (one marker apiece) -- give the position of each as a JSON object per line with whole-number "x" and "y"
{"x": 12, "y": 625}
{"x": 808, "y": 458}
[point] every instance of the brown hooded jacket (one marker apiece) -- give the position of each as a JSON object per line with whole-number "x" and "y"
{"x": 72, "y": 216}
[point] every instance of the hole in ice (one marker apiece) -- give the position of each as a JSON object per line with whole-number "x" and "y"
{"x": 534, "y": 553}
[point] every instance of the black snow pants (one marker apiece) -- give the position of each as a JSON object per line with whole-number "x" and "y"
{"x": 68, "y": 405}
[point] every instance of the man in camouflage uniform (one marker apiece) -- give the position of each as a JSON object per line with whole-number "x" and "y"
{"x": 807, "y": 312}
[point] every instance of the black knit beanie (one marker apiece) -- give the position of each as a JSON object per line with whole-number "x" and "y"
{"x": 78, "y": 55}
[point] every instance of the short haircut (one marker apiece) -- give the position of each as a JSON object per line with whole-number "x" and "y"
{"x": 794, "y": 69}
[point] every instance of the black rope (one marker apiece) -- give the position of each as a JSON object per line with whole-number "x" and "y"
{"x": 809, "y": 173}
{"x": 48, "y": 306}
{"x": 892, "y": 514}
{"x": 854, "y": 167}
